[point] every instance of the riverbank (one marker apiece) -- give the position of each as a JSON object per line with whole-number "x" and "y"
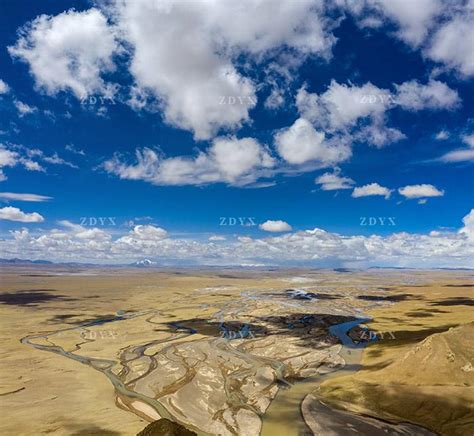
{"x": 422, "y": 373}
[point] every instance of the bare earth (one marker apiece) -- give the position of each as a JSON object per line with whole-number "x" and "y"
{"x": 102, "y": 351}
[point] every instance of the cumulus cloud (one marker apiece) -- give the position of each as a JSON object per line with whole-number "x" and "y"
{"x": 420, "y": 191}
{"x": 371, "y": 189}
{"x": 230, "y": 160}
{"x": 358, "y": 112}
{"x": 24, "y": 109}
{"x": 443, "y": 31}
{"x": 23, "y": 197}
{"x": 414, "y": 96}
{"x": 68, "y": 51}
{"x": 4, "y": 88}
{"x": 341, "y": 106}
{"x": 334, "y": 181}
{"x": 314, "y": 247}
{"x": 275, "y": 226}
{"x": 14, "y": 214}
{"x": 301, "y": 143}
{"x": 215, "y": 238}
{"x": 468, "y": 228}
{"x": 414, "y": 19}
{"x": 144, "y": 233}
{"x": 183, "y": 53}
{"x": 31, "y": 165}
{"x": 379, "y": 135}
{"x": 452, "y": 43}
{"x": 8, "y": 158}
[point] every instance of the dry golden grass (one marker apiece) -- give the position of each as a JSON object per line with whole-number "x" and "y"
{"x": 42, "y": 392}
{"x": 425, "y": 375}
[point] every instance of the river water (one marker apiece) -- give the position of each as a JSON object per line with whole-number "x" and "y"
{"x": 283, "y": 417}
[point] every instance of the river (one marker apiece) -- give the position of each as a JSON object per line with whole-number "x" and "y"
{"x": 283, "y": 417}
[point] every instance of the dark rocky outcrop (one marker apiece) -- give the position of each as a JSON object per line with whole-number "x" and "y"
{"x": 165, "y": 427}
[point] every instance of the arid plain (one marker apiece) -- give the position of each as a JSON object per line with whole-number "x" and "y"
{"x": 90, "y": 351}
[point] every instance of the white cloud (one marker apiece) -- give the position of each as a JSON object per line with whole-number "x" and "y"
{"x": 469, "y": 140}
{"x": 71, "y": 226}
{"x": 8, "y": 158}
{"x": 468, "y": 228}
{"x": 275, "y": 100}
{"x": 24, "y": 109}
{"x": 230, "y": 160}
{"x": 371, "y": 189}
{"x": 23, "y": 197}
{"x": 442, "y": 135}
{"x": 69, "y": 52}
{"x": 183, "y": 53}
{"x": 12, "y": 155}
{"x": 72, "y": 149}
{"x": 460, "y": 154}
{"x": 414, "y": 18}
{"x": 301, "y": 143}
{"x": 36, "y": 153}
{"x": 275, "y": 226}
{"x": 420, "y": 191}
{"x": 215, "y": 238}
{"x": 309, "y": 247}
{"x": 333, "y": 181}
{"x": 31, "y": 165}
{"x": 147, "y": 232}
{"x": 379, "y": 135}
{"x": 93, "y": 234}
{"x": 435, "y": 95}
{"x": 55, "y": 159}
{"x": 237, "y": 157}
{"x": 11, "y": 158}
{"x": 452, "y": 43}
{"x": 444, "y": 31}
{"x": 14, "y": 214}
{"x": 143, "y": 239}
{"x": 358, "y": 112}
{"x": 4, "y": 88}
{"x": 341, "y": 106}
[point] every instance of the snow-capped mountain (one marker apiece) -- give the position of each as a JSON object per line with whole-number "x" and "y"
{"x": 144, "y": 263}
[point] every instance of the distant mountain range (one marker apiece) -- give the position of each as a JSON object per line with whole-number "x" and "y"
{"x": 144, "y": 263}
{"x": 147, "y": 263}
{"x": 25, "y": 261}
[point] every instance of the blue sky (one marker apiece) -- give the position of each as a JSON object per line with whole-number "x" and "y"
{"x": 169, "y": 119}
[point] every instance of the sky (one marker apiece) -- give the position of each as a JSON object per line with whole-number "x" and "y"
{"x": 252, "y": 133}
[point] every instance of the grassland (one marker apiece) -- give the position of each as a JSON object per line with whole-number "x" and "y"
{"x": 422, "y": 370}
{"x": 108, "y": 351}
